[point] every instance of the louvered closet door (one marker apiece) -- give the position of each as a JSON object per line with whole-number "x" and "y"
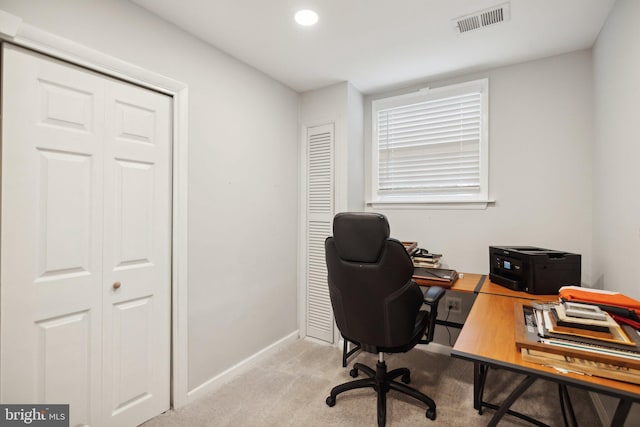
{"x": 85, "y": 204}
{"x": 320, "y": 213}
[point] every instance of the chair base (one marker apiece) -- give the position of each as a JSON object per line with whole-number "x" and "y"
{"x": 383, "y": 381}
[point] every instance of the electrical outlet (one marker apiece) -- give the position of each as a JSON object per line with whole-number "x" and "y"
{"x": 453, "y": 304}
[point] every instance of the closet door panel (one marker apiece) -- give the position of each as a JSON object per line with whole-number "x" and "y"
{"x": 133, "y": 220}
{"x": 65, "y": 214}
{"x": 137, "y": 254}
{"x": 64, "y": 362}
{"x": 51, "y": 236}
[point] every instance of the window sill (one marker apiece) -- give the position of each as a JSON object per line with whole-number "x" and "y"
{"x": 433, "y": 204}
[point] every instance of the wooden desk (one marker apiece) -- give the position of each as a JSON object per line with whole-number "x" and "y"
{"x": 469, "y": 283}
{"x": 489, "y": 287}
{"x": 481, "y": 284}
{"x": 488, "y": 339}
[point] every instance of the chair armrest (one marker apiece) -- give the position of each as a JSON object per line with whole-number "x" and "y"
{"x": 432, "y": 296}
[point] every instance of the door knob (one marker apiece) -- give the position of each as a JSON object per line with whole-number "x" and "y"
{"x": 116, "y": 285}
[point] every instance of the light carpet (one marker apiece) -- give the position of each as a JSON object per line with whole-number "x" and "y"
{"x": 289, "y": 388}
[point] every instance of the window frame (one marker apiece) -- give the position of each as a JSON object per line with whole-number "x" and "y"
{"x": 461, "y": 201}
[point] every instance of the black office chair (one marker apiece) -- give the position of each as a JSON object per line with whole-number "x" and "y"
{"x": 432, "y": 297}
{"x": 375, "y": 302}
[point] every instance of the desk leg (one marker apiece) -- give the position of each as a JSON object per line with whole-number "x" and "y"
{"x": 621, "y": 413}
{"x": 480, "y": 372}
{"x": 566, "y": 407}
{"x": 479, "y": 380}
{"x": 515, "y": 394}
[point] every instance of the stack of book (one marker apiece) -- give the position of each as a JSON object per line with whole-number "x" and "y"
{"x": 578, "y": 338}
{"x": 423, "y": 258}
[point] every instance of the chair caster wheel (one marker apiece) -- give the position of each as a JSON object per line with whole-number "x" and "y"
{"x": 406, "y": 378}
{"x": 353, "y": 372}
{"x": 331, "y": 401}
{"x": 431, "y": 414}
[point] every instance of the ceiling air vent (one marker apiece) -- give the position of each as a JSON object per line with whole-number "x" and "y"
{"x": 483, "y": 18}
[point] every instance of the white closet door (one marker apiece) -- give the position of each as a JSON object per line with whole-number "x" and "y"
{"x": 320, "y": 195}
{"x": 136, "y": 273}
{"x": 58, "y": 342}
{"x": 51, "y": 235}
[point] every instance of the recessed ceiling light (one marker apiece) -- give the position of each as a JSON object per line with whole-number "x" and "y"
{"x": 306, "y": 17}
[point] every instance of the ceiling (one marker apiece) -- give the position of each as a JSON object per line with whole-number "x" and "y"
{"x": 382, "y": 44}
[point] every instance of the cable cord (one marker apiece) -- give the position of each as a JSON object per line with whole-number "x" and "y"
{"x": 448, "y": 330}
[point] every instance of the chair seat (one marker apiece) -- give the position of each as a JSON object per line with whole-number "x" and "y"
{"x": 422, "y": 323}
{"x": 432, "y": 297}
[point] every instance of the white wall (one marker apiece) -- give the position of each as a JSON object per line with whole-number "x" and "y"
{"x": 243, "y": 158}
{"x": 342, "y": 105}
{"x": 540, "y": 136}
{"x": 616, "y": 60}
{"x": 355, "y": 149}
{"x": 616, "y": 236}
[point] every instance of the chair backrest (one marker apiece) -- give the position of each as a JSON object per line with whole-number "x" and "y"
{"x": 375, "y": 302}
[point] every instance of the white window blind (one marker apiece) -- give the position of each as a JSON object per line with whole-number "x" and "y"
{"x": 431, "y": 145}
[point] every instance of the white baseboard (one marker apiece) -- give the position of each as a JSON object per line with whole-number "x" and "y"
{"x": 239, "y": 368}
{"x": 319, "y": 341}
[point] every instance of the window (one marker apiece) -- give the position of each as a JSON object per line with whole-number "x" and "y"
{"x": 431, "y": 146}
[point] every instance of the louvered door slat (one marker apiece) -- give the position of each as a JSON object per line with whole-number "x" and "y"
{"x": 319, "y": 219}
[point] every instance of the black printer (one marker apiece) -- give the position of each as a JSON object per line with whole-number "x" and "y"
{"x": 533, "y": 270}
